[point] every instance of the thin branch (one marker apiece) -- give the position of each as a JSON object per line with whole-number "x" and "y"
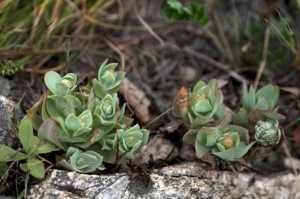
{"x": 148, "y": 27}
{"x": 263, "y": 62}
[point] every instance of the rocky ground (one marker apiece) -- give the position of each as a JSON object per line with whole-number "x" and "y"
{"x": 155, "y": 72}
{"x": 186, "y": 180}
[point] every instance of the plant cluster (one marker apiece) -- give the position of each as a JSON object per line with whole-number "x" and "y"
{"x": 86, "y": 123}
{"x": 174, "y": 10}
{"x": 215, "y": 130}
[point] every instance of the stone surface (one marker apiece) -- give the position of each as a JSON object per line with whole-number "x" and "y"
{"x": 187, "y": 180}
{"x": 6, "y": 116}
{"x": 5, "y": 86}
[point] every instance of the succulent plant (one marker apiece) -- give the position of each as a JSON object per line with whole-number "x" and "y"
{"x": 84, "y": 162}
{"x": 108, "y": 80}
{"x": 105, "y": 111}
{"x": 267, "y": 133}
{"x": 60, "y": 106}
{"x": 229, "y": 143}
{"x": 58, "y": 85}
{"x": 264, "y": 99}
{"x": 32, "y": 147}
{"x": 86, "y": 123}
{"x": 201, "y": 105}
{"x": 76, "y": 128}
{"x": 130, "y": 140}
{"x": 258, "y": 105}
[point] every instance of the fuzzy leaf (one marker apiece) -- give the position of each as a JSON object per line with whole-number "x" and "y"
{"x": 44, "y": 148}
{"x": 36, "y": 168}
{"x": 51, "y": 79}
{"x": 270, "y": 93}
{"x": 49, "y": 131}
{"x": 235, "y": 153}
{"x": 8, "y": 154}
{"x": 26, "y": 136}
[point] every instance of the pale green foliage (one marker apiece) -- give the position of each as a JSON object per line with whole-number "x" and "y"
{"x": 90, "y": 129}
{"x": 32, "y": 147}
{"x": 130, "y": 140}
{"x": 211, "y": 128}
{"x": 204, "y": 102}
{"x": 258, "y": 105}
{"x": 83, "y": 162}
{"x": 108, "y": 80}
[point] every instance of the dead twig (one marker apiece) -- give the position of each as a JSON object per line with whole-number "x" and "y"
{"x": 263, "y": 62}
{"x": 225, "y": 41}
{"x": 118, "y": 51}
{"x": 148, "y": 27}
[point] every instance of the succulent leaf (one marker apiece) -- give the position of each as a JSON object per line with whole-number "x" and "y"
{"x": 203, "y": 104}
{"x": 84, "y": 162}
{"x": 131, "y": 140}
{"x": 108, "y": 80}
{"x": 105, "y": 111}
{"x": 58, "y": 85}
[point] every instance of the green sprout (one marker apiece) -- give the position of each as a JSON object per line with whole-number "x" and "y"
{"x": 76, "y": 128}
{"x": 229, "y": 143}
{"x": 258, "y": 105}
{"x": 203, "y": 104}
{"x": 105, "y": 111}
{"x": 108, "y": 80}
{"x": 58, "y": 85}
{"x": 131, "y": 140}
{"x": 84, "y": 162}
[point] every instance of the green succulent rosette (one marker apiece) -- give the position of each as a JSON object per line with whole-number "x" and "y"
{"x": 228, "y": 143}
{"x": 108, "y": 80}
{"x": 267, "y": 133}
{"x": 106, "y": 112}
{"x": 258, "y": 105}
{"x": 60, "y": 101}
{"x": 76, "y": 129}
{"x": 204, "y": 104}
{"x": 83, "y": 161}
{"x": 58, "y": 85}
{"x": 131, "y": 140}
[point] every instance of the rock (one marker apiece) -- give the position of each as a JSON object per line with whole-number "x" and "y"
{"x": 6, "y": 124}
{"x": 186, "y": 180}
{"x": 5, "y": 86}
{"x": 157, "y": 150}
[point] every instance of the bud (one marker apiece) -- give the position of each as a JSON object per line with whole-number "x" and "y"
{"x": 267, "y": 133}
